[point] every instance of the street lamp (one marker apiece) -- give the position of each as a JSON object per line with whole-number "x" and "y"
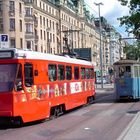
{"x": 101, "y": 63}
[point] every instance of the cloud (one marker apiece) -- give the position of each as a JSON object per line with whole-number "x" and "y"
{"x": 116, "y": 12}
{"x": 111, "y": 10}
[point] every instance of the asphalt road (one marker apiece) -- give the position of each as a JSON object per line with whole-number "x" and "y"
{"x": 104, "y": 120}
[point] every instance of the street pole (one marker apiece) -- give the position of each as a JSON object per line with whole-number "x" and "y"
{"x": 101, "y": 62}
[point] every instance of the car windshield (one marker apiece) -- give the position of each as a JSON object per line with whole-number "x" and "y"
{"x": 7, "y": 76}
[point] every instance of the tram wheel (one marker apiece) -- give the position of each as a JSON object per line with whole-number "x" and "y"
{"x": 90, "y": 100}
{"x": 56, "y": 111}
{"x": 17, "y": 122}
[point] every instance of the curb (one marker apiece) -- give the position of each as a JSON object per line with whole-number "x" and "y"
{"x": 129, "y": 127}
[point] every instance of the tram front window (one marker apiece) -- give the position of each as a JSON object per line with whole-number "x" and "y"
{"x": 124, "y": 71}
{"x": 7, "y": 76}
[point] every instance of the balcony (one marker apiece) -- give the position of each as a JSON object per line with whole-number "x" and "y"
{"x": 29, "y": 18}
{"x": 28, "y": 1}
{"x": 29, "y": 35}
{"x": 12, "y": 13}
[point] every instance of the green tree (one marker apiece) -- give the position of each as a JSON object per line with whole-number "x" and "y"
{"x": 132, "y": 51}
{"x": 132, "y": 21}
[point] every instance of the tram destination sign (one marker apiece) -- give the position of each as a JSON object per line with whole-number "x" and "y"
{"x": 6, "y": 54}
{"x": 4, "y": 41}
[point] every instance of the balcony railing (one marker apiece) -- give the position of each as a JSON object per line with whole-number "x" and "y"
{"x": 28, "y": 1}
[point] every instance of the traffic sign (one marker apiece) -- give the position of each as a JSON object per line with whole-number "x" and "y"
{"x": 4, "y": 41}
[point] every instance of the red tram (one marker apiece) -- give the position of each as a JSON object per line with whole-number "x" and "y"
{"x": 35, "y": 86}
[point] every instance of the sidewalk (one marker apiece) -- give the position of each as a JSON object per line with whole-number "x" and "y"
{"x": 132, "y": 131}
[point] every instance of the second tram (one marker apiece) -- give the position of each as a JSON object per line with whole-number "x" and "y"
{"x": 127, "y": 79}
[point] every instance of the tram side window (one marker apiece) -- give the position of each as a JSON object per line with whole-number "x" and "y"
{"x": 87, "y": 73}
{"x": 136, "y": 72}
{"x": 91, "y": 73}
{"x": 82, "y": 73}
{"x": 68, "y": 72}
{"x": 52, "y": 72}
{"x": 128, "y": 71}
{"x": 61, "y": 72}
{"x": 28, "y": 73}
{"x": 76, "y": 73}
{"x": 139, "y": 71}
{"x": 18, "y": 83}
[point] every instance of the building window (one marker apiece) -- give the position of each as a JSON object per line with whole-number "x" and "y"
{"x": 36, "y": 48}
{"x": 40, "y": 20}
{"x": 20, "y": 8}
{"x": 20, "y": 22}
{"x": 44, "y": 35}
{"x": 21, "y": 43}
{"x": 50, "y": 37}
{"x": 12, "y": 24}
{"x": 53, "y": 25}
{"x": 11, "y": 6}
{"x": 47, "y": 22}
{"x": 44, "y": 21}
{"x": 43, "y": 6}
{"x": 28, "y": 44}
{"x": 29, "y": 11}
{"x": 29, "y": 28}
{"x": 35, "y": 2}
{"x": 1, "y": 24}
{"x": 50, "y": 24}
{"x": 49, "y": 9}
{"x": 46, "y": 8}
{"x": 41, "y": 49}
{"x": 53, "y": 38}
{"x": 41, "y": 34}
{"x": 12, "y": 43}
{"x": 1, "y": 6}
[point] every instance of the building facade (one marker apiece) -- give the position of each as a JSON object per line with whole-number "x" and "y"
{"x": 50, "y": 26}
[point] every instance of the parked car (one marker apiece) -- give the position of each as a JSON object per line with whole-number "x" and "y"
{"x": 105, "y": 80}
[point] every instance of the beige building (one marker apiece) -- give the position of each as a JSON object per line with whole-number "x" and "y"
{"x": 49, "y": 25}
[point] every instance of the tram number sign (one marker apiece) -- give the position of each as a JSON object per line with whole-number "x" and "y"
{"x": 4, "y": 41}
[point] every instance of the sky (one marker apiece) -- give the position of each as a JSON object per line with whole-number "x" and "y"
{"x": 111, "y": 10}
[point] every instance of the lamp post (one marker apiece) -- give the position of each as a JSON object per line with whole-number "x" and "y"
{"x": 101, "y": 63}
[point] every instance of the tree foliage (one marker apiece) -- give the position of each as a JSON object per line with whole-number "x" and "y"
{"x": 132, "y": 21}
{"x": 132, "y": 52}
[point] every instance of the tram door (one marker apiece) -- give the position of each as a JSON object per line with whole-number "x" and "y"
{"x": 136, "y": 81}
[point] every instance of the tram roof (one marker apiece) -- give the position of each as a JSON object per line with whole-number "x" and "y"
{"x": 28, "y": 54}
{"x": 126, "y": 61}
